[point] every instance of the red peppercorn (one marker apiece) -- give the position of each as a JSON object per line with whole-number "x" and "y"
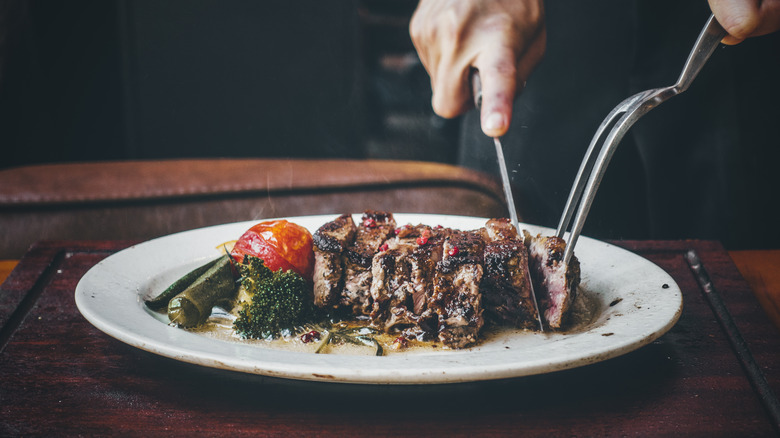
{"x": 424, "y": 236}
{"x": 453, "y": 251}
{"x": 383, "y": 247}
{"x": 369, "y": 222}
{"x": 400, "y": 342}
{"x": 313, "y": 335}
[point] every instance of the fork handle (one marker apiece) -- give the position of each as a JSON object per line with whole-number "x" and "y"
{"x": 708, "y": 41}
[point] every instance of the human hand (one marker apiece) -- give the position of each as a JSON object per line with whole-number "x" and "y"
{"x": 503, "y": 39}
{"x": 746, "y": 18}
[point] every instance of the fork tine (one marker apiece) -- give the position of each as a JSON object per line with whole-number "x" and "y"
{"x": 632, "y": 109}
{"x": 587, "y": 164}
{"x": 643, "y": 103}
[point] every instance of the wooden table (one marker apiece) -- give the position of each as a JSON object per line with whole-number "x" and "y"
{"x": 716, "y": 373}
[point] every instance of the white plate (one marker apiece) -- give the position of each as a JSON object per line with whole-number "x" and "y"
{"x": 636, "y": 302}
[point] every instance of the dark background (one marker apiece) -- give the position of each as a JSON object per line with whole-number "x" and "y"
{"x": 95, "y": 80}
{"x": 88, "y": 80}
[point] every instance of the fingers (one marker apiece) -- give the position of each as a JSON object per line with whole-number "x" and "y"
{"x": 504, "y": 39}
{"x": 498, "y": 73}
{"x": 503, "y": 77}
{"x": 438, "y": 29}
{"x": 738, "y": 17}
{"x": 769, "y": 18}
{"x": 450, "y": 70}
{"x": 451, "y": 92}
{"x": 746, "y": 18}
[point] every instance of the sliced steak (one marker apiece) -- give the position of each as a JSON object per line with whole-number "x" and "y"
{"x": 427, "y": 253}
{"x": 330, "y": 242}
{"x": 456, "y": 297}
{"x": 402, "y": 280}
{"x": 506, "y": 285}
{"x": 375, "y": 227}
{"x": 500, "y": 229}
{"x": 438, "y": 283}
{"x": 555, "y": 282}
{"x": 391, "y": 284}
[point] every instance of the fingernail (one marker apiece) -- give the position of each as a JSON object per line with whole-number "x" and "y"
{"x": 494, "y": 122}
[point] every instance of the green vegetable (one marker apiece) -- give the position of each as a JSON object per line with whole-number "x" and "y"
{"x": 351, "y": 335}
{"x": 277, "y": 301}
{"x": 193, "y": 305}
{"x": 161, "y": 301}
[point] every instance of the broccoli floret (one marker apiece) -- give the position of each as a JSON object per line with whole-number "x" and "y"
{"x": 279, "y": 301}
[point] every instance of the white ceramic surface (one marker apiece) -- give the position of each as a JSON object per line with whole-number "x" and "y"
{"x": 646, "y": 302}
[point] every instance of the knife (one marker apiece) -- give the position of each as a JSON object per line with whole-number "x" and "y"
{"x": 476, "y": 88}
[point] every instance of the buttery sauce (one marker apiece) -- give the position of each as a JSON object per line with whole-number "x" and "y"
{"x": 584, "y": 314}
{"x": 220, "y": 326}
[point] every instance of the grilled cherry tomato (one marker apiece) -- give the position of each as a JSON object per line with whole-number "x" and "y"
{"x": 281, "y": 245}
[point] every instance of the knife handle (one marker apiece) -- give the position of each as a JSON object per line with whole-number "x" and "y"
{"x": 476, "y": 87}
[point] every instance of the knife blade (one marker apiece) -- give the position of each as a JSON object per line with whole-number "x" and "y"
{"x": 476, "y": 88}
{"x": 510, "y": 201}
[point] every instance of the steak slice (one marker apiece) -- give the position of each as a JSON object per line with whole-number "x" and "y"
{"x": 402, "y": 280}
{"x": 506, "y": 285}
{"x": 555, "y": 282}
{"x": 499, "y": 229}
{"x": 375, "y": 227}
{"x": 456, "y": 297}
{"x": 391, "y": 284}
{"x": 425, "y": 257}
{"x": 330, "y": 241}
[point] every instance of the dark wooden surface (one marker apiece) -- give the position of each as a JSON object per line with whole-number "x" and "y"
{"x": 61, "y": 376}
